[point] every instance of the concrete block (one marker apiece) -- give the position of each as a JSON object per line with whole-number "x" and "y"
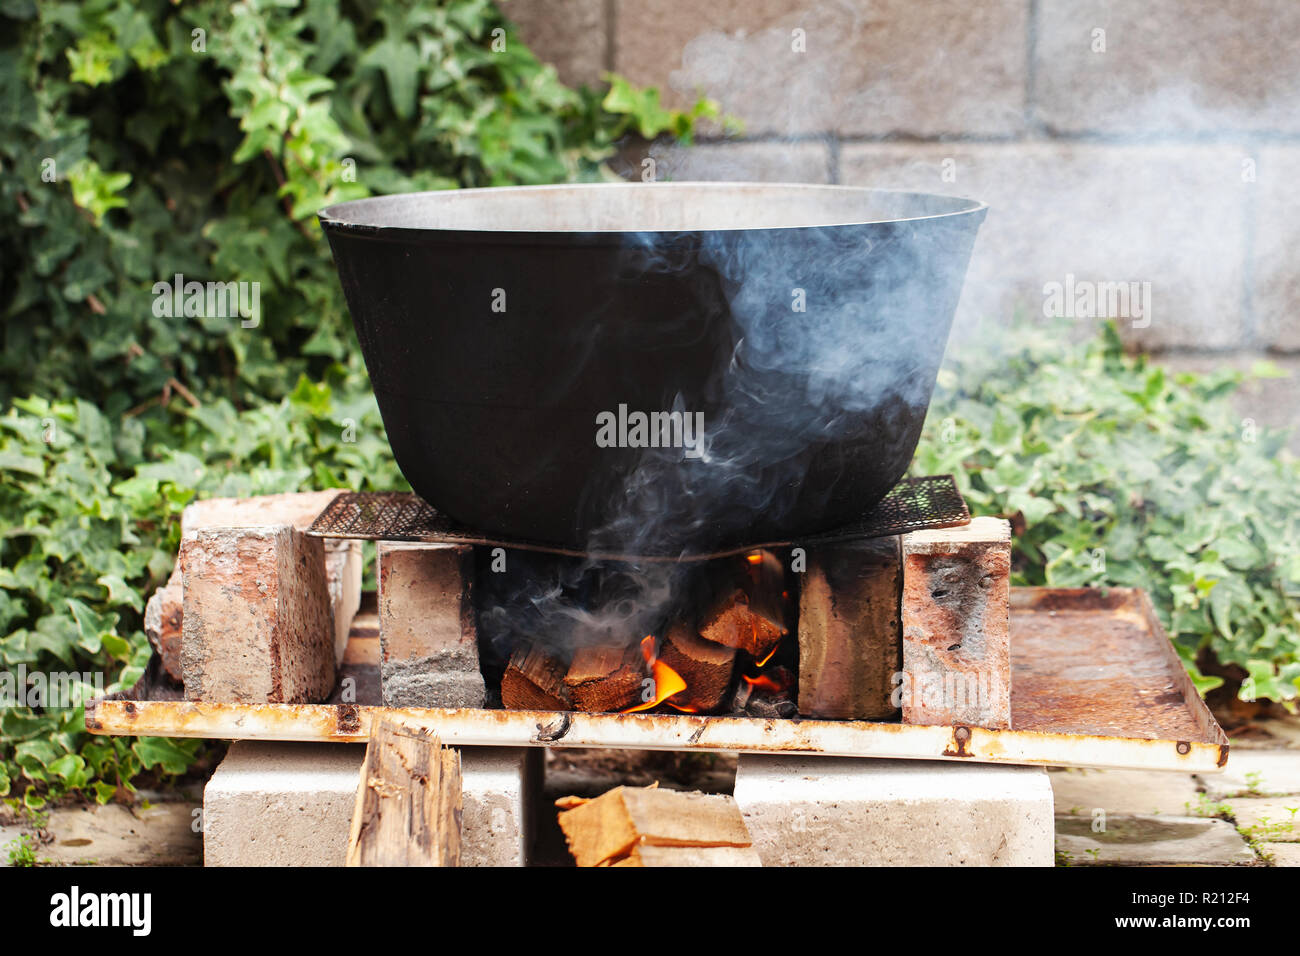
{"x": 569, "y": 34}
{"x": 427, "y": 632}
{"x": 1150, "y": 841}
{"x": 841, "y": 811}
{"x": 291, "y": 804}
{"x": 1167, "y": 66}
{"x": 855, "y": 68}
{"x": 956, "y": 625}
{"x": 1173, "y": 216}
{"x": 1275, "y": 293}
{"x": 281, "y": 804}
{"x": 850, "y": 631}
{"x": 743, "y": 162}
{"x": 257, "y": 623}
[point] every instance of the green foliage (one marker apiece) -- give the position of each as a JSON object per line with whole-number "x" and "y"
{"x": 92, "y": 507}
{"x": 1125, "y": 475}
{"x": 200, "y": 138}
{"x": 144, "y": 138}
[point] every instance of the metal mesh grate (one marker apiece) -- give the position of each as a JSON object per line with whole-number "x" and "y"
{"x": 912, "y": 505}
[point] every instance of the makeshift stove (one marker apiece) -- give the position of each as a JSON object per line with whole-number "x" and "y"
{"x": 895, "y": 637}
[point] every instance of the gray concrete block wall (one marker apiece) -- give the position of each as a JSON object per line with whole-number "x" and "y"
{"x": 1153, "y": 141}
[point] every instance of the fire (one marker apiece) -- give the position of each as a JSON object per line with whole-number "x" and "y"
{"x": 769, "y": 656}
{"x": 666, "y": 680}
{"x": 755, "y": 558}
{"x": 762, "y": 682}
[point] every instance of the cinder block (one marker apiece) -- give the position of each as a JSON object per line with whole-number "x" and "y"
{"x": 291, "y": 804}
{"x": 164, "y": 612}
{"x": 427, "y": 633}
{"x": 956, "y": 625}
{"x": 743, "y": 162}
{"x": 891, "y": 66}
{"x": 1167, "y": 66}
{"x": 281, "y": 804}
{"x": 257, "y": 623}
{"x": 569, "y": 34}
{"x": 1173, "y": 216}
{"x": 843, "y": 811}
{"x": 1275, "y": 293}
{"x": 850, "y": 630}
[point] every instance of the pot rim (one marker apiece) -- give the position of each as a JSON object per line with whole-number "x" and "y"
{"x": 366, "y": 217}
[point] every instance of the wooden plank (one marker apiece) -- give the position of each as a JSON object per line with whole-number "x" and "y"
{"x": 408, "y": 808}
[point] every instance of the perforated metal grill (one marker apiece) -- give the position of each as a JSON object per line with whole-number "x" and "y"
{"x": 912, "y": 505}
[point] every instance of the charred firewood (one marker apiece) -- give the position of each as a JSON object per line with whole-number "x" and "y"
{"x": 746, "y": 606}
{"x": 534, "y": 680}
{"x": 705, "y": 666}
{"x": 606, "y": 677}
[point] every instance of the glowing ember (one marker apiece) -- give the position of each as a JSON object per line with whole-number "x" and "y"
{"x": 666, "y": 680}
{"x": 755, "y": 558}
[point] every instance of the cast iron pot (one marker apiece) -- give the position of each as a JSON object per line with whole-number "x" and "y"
{"x": 516, "y": 337}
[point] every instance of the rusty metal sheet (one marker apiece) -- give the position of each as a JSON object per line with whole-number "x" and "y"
{"x": 1095, "y": 683}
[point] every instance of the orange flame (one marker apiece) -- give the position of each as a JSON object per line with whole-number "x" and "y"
{"x": 769, "y": 655}
{"x": 666, "y": 680}
{"x": 755, "y": 558}
{"x": 762, "y": 682}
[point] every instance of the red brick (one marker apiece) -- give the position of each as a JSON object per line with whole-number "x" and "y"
{"x": 164, "y": 612}
{"x": 956, "y": 625}
{"x": 257, "y": 623}
{"x": 427, "y": 632}
{"x": 849, "y": 630}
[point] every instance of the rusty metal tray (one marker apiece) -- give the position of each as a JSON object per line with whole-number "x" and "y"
{"x": 1095, "y": 683}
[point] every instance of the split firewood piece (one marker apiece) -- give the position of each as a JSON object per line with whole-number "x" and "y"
{"x": 747, "y": 609}
{"x": 606, "y": 677}
{"x": 647, "y": 854}
{"x": 705, "y": 666}
{"x": 534, "y": 680}
{"x": 408, "y": 809}
{"x": 628, "y": 826}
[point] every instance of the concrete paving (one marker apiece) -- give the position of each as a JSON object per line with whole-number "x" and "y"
{"x": 1255, "y": 773}
{"x": 1150, "y": 840}
{"x": 1081, "y": 792}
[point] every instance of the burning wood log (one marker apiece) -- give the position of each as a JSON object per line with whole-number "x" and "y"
{"x": 646, "y": 826}
{"x": 408, "y": 808}
{"x": 534, "y": 680}
{"x": 747, "y": 610}
{"x": 606, "y": 677}
{"x": 705, "y": 667}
